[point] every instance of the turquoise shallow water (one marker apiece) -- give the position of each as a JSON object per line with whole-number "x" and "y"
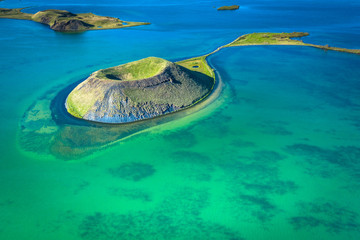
{"x": 275, "y": 156}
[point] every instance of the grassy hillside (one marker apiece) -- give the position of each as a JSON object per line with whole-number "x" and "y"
{"x": 141, "y": 69}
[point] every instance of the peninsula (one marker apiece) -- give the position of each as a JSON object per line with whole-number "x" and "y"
{"x": 138, "y": 90}
{"x": 282, "y": 39}
{"x": 233, "y": 7}
{"x": 65, "y": 21}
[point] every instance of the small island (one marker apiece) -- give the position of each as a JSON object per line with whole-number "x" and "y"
{"x": 65, "y": 21}
{"x": 233, "y": 7}
{"x": 138, "y": 90}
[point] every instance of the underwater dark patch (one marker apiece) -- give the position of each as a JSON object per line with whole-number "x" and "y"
{"x": 259, "y": 207}
{"x": 239, "y": 143}
{"x": 81, "y": 187}
{"x": 176, "y": 216}
{"x": 190, "y": 157}
{"x": 252, "y": 181}
{"x": 271, "y": 187}
{"x": 346, "y": 157}
{"x": 133, "y": 171}
{"x": 130, "y": 194}
{"x": 329, "y": 215}
{"x": 181, "y": 139}
{"x": 192, "y": 165}
{"x": 220, "y": 120}
{"x": 267, "y": 156}
{"x": 272, "y": 127}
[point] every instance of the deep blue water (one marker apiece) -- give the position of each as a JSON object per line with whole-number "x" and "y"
{"x": 275, "y": 156}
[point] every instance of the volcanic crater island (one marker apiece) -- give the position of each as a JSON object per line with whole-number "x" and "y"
{"x": 137, "y": 90}
{"x": 152, "y": 87}
{"x": 65, "y": 21}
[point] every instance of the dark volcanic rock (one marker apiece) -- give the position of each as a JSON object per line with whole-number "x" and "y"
{"x": 70, "y": 25}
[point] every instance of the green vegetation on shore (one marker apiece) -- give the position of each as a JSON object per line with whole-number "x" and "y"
{"x": 268, "y": 39}
{"x": 282, "y": 39}
{"x": 233, "y": 7}
{"x": 198, "y": 64}
{"x": 65, "y": 21}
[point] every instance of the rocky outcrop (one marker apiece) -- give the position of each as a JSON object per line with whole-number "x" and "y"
{"x": 103, "y": 99}
{"x": 70, "y": 25}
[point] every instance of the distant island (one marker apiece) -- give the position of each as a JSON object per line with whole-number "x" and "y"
{"x": 233, "y": 7}
{"x": 65, "y": 21}
{"x": 138, "y": 90}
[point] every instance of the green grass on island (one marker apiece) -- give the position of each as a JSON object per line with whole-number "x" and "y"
{"x": 198, "y": 64}
{"x": 233, "y": 7}
{"x": 141, "y": 69}
{"x": 269, "y": 39}
{"x": 282, "y": 39}
{"x": 65, "y": 21}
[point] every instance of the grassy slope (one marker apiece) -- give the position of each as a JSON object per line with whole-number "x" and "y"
{"x": 96, "y": 22}
{"x": 268, "y": 39}
{"x": 140, "y": 69}
{"x": 282, "y": 39}
{"x": 74, "y": 98}
{"x": 198, "y": 64}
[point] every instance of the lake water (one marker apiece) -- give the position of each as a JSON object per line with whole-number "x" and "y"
{"x": 275, "y": 155}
